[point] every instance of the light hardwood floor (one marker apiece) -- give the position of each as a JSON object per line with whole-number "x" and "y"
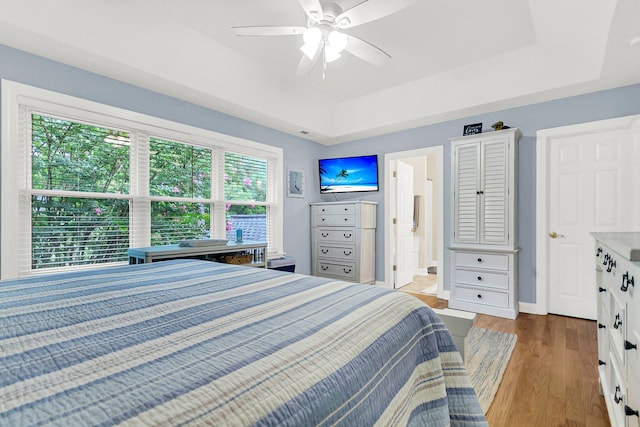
{"x": 552, "y": 377}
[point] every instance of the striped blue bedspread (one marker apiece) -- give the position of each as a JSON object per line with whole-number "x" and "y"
{"x": 202, "y": 343}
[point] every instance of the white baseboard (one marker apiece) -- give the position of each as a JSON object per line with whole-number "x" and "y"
{"x": 530, "y": 308}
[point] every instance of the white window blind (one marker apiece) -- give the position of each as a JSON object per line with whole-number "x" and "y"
{"x": 82, "y": 182}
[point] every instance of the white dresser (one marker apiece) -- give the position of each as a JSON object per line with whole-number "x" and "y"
{"x": 484, "y": 254}
{"x": 618, "y": 281}
{"x": 343, "y": 240}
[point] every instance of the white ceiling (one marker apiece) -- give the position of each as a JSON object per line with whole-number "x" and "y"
{"x": 450, "y": 58}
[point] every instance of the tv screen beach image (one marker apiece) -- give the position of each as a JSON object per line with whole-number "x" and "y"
{"x": 348, "y": 174}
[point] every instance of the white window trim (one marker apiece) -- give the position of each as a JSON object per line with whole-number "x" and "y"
{"x": 16, "y": 96}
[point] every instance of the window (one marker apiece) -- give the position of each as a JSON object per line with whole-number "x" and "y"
{"x": 82, "y": 182}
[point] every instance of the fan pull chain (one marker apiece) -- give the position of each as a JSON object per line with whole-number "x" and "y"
{"x": 324, "y": 59}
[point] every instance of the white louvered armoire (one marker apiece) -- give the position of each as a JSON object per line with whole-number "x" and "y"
{"x": 484, "y": 253}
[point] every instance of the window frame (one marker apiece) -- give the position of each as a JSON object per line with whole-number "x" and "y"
{"x": 19, "y": 101}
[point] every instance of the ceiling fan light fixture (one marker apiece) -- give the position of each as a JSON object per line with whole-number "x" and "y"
{"x": 312, "y": 36}
{"x": 309, "y": 50}
{"x": 337, "y": 40}
{"x": 330, "y": 53}
{"x": 343, "y": 22}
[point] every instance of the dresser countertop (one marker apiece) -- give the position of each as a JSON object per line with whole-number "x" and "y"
{"x": 626, "y": 244}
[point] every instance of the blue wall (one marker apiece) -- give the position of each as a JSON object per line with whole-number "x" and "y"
{"x": 301, "y": 154}
{"x": 578, "y": 109}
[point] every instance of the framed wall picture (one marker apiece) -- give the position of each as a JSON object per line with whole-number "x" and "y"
{"x": 295, "y": 183}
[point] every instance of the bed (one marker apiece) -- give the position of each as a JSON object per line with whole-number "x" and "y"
{"x": 190, "y": 342}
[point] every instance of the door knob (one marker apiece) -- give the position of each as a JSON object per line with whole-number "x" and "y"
{"x": 555, "y": 235}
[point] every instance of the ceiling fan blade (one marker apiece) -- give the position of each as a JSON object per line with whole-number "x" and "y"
{"x": 312, "y": 8}
{"x": 370, "y": 10}
{"x": 306, "y": 65}
{"x": 268, "y": 31}
{"x": 366, "y": 51}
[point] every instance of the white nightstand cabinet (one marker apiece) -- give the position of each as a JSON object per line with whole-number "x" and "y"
{"x": 484, "y": 253}
{"x": 618, "y": 280}
{"x": 343, "y": 240}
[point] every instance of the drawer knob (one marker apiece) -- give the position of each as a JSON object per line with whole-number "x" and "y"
{"x": 601, "y": 363}
{"x": 322, "y": 219}
{"x": 605, "y": 260}
{"x": 601, "y": 326}
{"x": 628, "y": 411}
{"x": 479, "y": 296}
{"x": 601, "y": 289}
{"x": 598, "y": 252}
{"x": 630, "y": 346}
{"x": 626, "y": 281}
{"x": 617, "y": 398}
{"x": 479, "y": 259}
{"x": 479, "y": 278}
{"x": 612, "y": 265}
{"x": 617, "y": 322}
{"x": 346, "y": 220}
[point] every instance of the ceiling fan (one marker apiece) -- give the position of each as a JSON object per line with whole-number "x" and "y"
{"x": 323, "y": 36}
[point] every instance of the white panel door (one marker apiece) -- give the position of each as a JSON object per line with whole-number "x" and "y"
{"x": 590, "y": 189}
{"x": 404, "y": 224}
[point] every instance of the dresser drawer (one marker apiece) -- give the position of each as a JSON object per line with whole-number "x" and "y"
{"x": 336, "y": 252}
{"x": 481, "y": 296}
{"x": 339, "y": 235}
{"x": 482, "y": 260}
{"x": 480, "y": 277}
{"x": 335, "y": 209}
{"x": 618, "y": 327}
{"x": 616, "y": 393}
{"x": 336, "y": 220}
{"x": 343, "y": 270}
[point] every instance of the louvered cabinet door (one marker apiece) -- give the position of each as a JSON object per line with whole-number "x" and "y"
{"x": 494, "y": 196}
{"x": 466, "y": 192}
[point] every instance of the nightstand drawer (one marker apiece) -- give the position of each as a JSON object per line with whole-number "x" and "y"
{"x": 481, "y": 277}
{"x": 482, "y": 260}
{"x": 481, "y": 296}
{"x": 338, "y": 235}
{"x": 343, "y": 270}
{"x": 335, "y": 252}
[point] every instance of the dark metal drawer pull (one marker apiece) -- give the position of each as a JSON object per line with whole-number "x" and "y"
{"x": 601, "y": 326}
{"x": 630, "y": 346}
{"x": 617, "y": 398}
{"x": 601, "y": 363}
{"x": 480, "y": 278}
{"x": 611, "y": 266}
{"x": 601, "y": 289}
{"x": 628, "y": 411}
{"x": 325, "y": 251}
{"x": 479, "y": 259}
{"x": 598, "y": 252}
{"x": 626, "y": 281}
{"x": 617, "y": 322}
{"x": 347, "y": 253}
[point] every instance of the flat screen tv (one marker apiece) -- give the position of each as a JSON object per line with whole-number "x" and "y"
{"x": 348, "y": 174}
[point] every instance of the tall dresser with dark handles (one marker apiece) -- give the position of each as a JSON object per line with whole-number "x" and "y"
{"x": 343, "y": 240}
{"x": 618, "y": 280}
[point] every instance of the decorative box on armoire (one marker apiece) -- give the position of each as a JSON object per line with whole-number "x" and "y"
{"x": 484, "y": 252}
{"x": 343, "y": 240}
